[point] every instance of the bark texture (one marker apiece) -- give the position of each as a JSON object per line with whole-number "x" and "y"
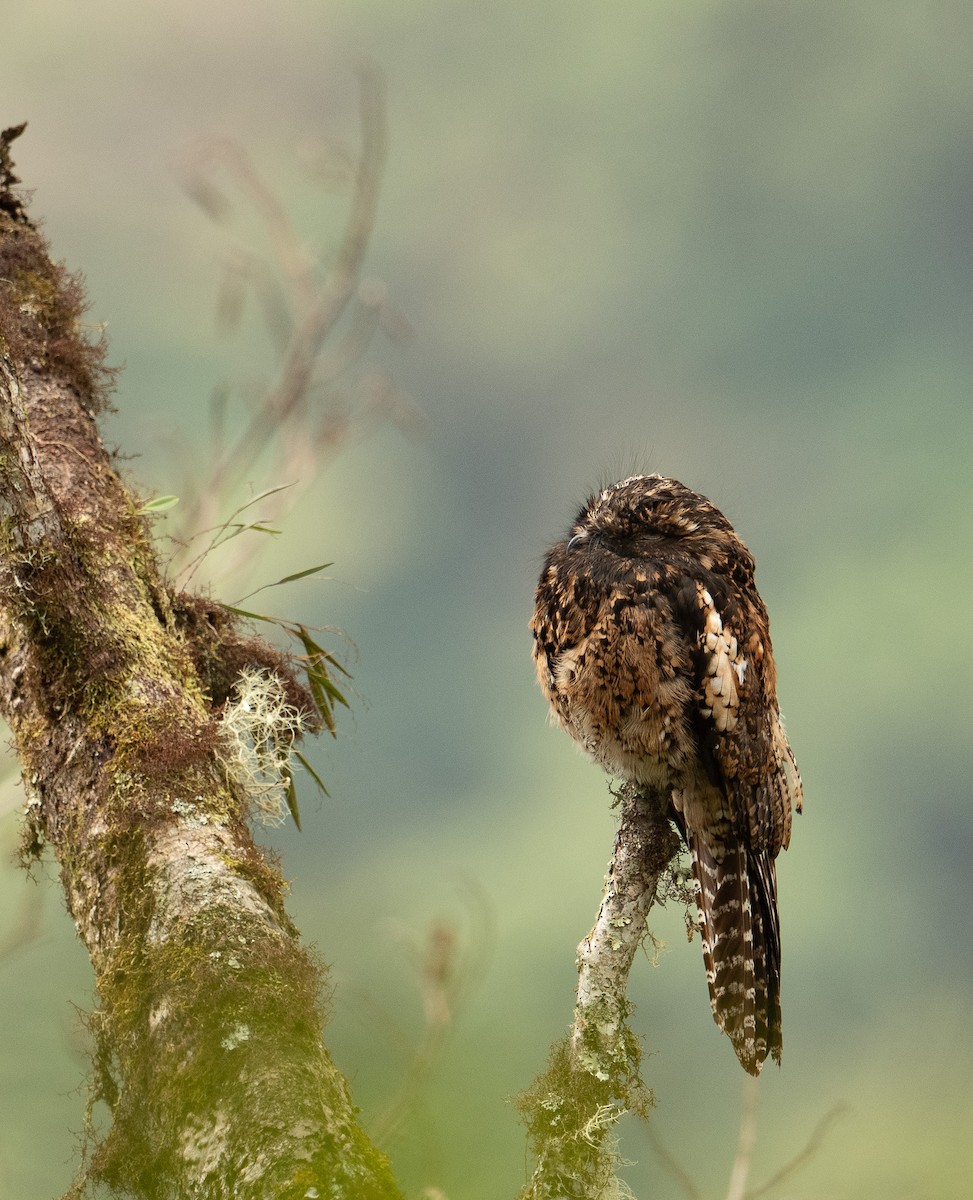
{"x": 209, "y": 1054}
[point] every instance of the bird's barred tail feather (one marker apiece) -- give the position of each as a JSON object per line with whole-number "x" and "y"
{"x": 737, "y": 902}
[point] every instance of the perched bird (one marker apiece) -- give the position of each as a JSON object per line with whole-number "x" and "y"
{"x": 653, "y": 647}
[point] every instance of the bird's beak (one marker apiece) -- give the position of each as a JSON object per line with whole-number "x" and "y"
{"x": 578, "y": 537}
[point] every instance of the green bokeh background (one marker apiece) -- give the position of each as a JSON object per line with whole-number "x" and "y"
{"x": 730, "y": 242}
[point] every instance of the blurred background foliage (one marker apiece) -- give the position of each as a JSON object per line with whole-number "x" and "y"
{"x": 728, "y": 242}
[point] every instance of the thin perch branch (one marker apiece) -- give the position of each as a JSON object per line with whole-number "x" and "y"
{"x": 644, "y": 845}
{"x": 593, "y": 1076}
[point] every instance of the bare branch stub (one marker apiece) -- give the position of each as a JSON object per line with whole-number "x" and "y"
{"x": 11, "y": 202}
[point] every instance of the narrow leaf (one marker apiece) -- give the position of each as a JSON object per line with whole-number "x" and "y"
{"x": 251, "y": 616}
{"x": 288, "y": 579}
{"x": 333, "y": 662}
{"x": 158, "y": 505}
{"x": 311, "y": 771}
{"x": 281, "y": 487}
{"x": 333, "y": 691}
{"x": 301, "y": 574}
{"x": 292, "y": 803}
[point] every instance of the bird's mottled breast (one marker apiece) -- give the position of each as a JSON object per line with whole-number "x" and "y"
{"x": 611, "y": 661}
{"x": 652, "y": 644}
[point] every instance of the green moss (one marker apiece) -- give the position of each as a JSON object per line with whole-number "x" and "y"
{"x": 570, "y": 1112}
{"x": 183, "y": 1018}
{"x": 263, "y": 873}
{"x": 41, "y": 305}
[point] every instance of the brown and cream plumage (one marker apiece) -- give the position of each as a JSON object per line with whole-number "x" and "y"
{"x": 653, "y": 647}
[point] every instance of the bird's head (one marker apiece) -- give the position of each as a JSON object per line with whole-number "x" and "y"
{"x": 650, "y": 515}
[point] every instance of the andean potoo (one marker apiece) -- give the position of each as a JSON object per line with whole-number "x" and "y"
{"x": 653, "y": 648}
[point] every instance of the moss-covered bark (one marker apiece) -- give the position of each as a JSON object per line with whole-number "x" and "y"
{"x": 593, "y": 1076}
{"x": 209, "y": 1052}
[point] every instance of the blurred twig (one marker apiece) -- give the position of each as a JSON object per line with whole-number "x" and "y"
{"x": 27, "y": 928}
{"x": 448, "y": 971}
{"x": 671, "y": 1164}
{"x": 319, "y": 309}
{"x": 320, "y": 318}
{"x": 801, "y": 1159}
{"x": 29, "y": 919}
{"x": 747, "y": 1140}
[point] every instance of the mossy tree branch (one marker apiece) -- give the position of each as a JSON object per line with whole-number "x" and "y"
{"x": 209, "y": 1054}
{"x": 594, "y": 1075}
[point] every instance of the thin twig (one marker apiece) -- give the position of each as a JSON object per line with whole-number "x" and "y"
{"x": 811, "y": 1148}
{"x": 325, "y": 309}
{"x": 27, "y": 928}
{"x": 672, "y": 1165}
{"x": 447, "y": 976}
{"x": 747, "y": 1140}
{"x": 301, "y": 417}
{"x": 228, "y": 529}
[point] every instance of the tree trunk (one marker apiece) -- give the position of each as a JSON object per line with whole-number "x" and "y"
{"x": 207, "y": 1033}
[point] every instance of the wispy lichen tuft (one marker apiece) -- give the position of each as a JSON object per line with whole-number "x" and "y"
{"x": 258, "y": 730}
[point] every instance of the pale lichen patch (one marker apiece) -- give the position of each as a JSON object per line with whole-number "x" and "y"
{"x": 257, "y": 732}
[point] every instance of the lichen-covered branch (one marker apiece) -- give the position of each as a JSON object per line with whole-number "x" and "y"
{"x": 644, "y": 846}
{"x": 208, "y": 1046}
{"x": 593, "y": 1076}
